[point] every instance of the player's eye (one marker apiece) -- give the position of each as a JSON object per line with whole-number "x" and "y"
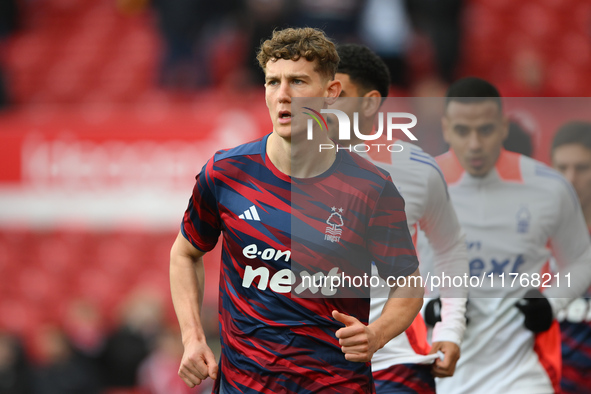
{"x": 486, "y": 129}
{"x": 272, "y": 82}
{"x": 462, "y": 131}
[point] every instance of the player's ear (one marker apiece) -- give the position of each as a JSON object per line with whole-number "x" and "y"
{"x": 371, "y": 103}
{"x": 333, "y": 90}
{"x": 505, "y": 126}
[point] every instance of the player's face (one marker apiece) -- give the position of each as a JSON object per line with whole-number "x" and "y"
{"x": 574, "y": 162}
{"x": 348, "y": 105}
{"x": 285, "y": 79}
{"x": 475, "y": 132}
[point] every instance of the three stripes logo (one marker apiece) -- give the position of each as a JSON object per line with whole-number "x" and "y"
{"x": 250, "y": 214}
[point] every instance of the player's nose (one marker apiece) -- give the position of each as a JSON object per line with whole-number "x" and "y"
{"x": 284, "y": 93}
{"x": 474, "y": 142}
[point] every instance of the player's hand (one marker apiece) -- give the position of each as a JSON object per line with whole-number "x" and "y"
{"x": 357, "y": 340}
{"x": 197, "y": 364}
{"x": 537, "y": 311}
{"x": 451, "y": 354}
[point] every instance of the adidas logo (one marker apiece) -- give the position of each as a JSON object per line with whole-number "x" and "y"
{"x": 250, "y": 214}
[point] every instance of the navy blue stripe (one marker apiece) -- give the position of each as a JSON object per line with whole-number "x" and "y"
{"x": 250, "y": 148}
{"x": 423, "y": 155}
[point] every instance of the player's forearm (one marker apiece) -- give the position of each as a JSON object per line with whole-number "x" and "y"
{"x": 573, "y": 281}
{"x": 452, "y": 326}
{"x": 400, "y": 310}
{"x": 446, "y": 238}
{"x": 452, "y": 262}
{"x": 186, "y": 284}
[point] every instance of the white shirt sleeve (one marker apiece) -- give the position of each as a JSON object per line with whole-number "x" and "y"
{"x": 571, "y": 248}
{"x": 440, "y": 225}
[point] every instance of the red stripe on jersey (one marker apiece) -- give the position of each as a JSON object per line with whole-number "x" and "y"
{"x": 450, "y": 166}
{"x": 307, "y": 371}
{"x": 547, "y": 347}
{"x": 572, "y": 343}
{"x": 408, "y": 377}
{"x": 508, "y": 166}
{"x": 417, "y": 332}
{"x": 247, "y": 379}
{"x": 417, "y": 336}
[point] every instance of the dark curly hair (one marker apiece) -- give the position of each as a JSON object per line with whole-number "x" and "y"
{"x": 292, "y": 44}
{"x": 574, "y": 132}
{"x": 365, "y": 69}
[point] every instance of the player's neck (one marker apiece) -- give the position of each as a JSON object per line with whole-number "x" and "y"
{"x": 302, "y": 160}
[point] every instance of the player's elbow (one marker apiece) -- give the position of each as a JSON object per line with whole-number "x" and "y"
{"x": 183, "y": 252}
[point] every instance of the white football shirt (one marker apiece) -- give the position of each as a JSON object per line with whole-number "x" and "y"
{"x": 515, "y": 218}
{"x": 428, "y": 208}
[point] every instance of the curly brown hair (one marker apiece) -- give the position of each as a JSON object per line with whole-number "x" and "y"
{"x": 292, "y": 44}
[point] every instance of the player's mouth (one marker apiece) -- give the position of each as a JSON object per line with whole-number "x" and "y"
{"x": 285, "y": 117}
{"x": 476, "y": 162}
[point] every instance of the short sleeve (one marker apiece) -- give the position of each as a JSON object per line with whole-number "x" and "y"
{"x": 201, "y": 223}
{"x": 389, "y": 240}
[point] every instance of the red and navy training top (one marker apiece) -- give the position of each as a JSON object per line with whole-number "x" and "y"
{"x": 277, "y": 330}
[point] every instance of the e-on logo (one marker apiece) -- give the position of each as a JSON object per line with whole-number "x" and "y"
{"x": 345, "y": 129}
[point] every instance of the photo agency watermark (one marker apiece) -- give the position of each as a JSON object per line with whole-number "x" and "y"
{"x": 394, "y": 122}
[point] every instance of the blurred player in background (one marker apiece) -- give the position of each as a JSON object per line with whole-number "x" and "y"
{"x": 271, "y": 341}
{"x": 516, "y": 212}
{"x": 571, "y": 155}
{"x": 403, "y": 365}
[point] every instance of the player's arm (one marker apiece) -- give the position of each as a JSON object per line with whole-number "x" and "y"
{"x": 403, "y": 305}
{"x": 572, "y": 250}
{"x": 442, "y": 228}
{"x": 359, "y": 342}
{"x": 390, "y": 245}
{"x": 186, "y": 284}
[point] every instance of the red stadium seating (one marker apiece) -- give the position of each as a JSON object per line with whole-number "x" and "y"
{"x": 41, "y": 273}
{"x": 67, "y": 52}
{"x": 557, "y": 30}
